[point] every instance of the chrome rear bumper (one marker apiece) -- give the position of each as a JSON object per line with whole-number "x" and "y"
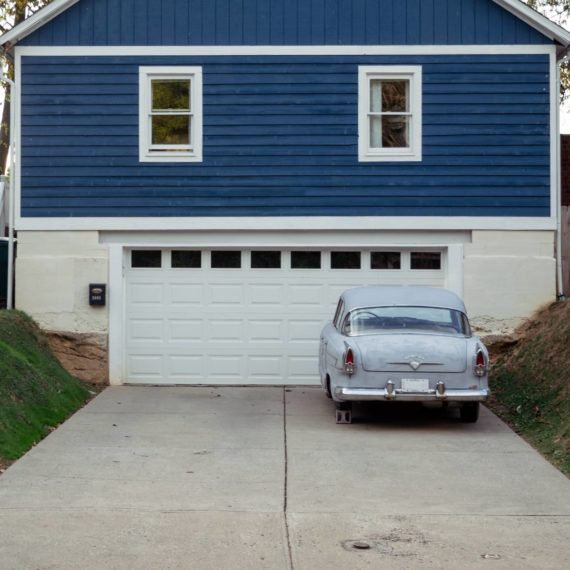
{"x": 441, "y": 394}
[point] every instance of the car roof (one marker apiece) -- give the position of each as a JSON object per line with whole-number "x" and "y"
{"x": 416, "y": 296}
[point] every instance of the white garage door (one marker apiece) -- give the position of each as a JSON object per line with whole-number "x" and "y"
{"x": 247, "y": 317}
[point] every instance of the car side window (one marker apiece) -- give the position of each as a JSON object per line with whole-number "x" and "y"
{"x": 339, "y": 309}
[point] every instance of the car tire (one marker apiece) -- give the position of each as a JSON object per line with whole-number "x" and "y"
{"x": 469, "y": 412}
{"x": 328, "y": 387}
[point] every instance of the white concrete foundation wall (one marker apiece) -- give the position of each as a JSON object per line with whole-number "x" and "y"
{"x": 508, "y": 275}
{"x": 53, "y": 272}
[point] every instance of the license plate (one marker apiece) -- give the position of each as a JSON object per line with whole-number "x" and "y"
{"x": 415, "y": 385}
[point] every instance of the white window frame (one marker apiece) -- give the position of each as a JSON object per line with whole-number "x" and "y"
{"x": 412, "y": 73}
{"x": 191, "y": 153}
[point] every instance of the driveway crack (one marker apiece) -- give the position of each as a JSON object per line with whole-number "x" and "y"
{"x": 285, "y": 482}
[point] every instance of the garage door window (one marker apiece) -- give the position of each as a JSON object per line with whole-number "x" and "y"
{"x": 266, "y": 260}
{"x": 387, "y": 260}
{"x": 305, "y": 260}
{"x": 425, "y": 260}
{"x": 146, "y": 258}
{"x": 345, "y": 260}
{"x": 226, "y": 259}
{"x": 182, "y": 259}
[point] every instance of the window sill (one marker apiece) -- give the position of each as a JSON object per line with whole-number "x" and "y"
{"x": 396, "y": 157}
{"x": 166, "y": 157}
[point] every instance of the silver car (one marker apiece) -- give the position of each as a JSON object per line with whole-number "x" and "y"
{"x": 408, "y": 344}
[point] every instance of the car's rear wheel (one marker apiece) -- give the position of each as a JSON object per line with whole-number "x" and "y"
{"x": 328, "y": 386}
{"x": 469, "y": 412}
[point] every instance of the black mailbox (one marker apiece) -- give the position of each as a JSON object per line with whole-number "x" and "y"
{"x": 97, "y": 294}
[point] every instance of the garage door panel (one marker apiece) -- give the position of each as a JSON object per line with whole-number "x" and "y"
{"x": 185, "y": 368}
{"x": 226, "y": 294}
{"x": 305, "y": 330}
{"x": 145, "y": 330}
{"x": 242, "y": 325}
{"x": 226, "y": 330}
{"x": 302, "y": 369}
{"x": 145, "y": 294}
{"x": 226, "y": 367}
{"x": 266, "y": 331}
{"x": 183, "y": 295}
{"x": 305, "y": 295}
{"x": 266, "y": 367}
{"x": 145, "y": 367}
{"x": 185, "y": 330}
{"x": 265, "y": 295}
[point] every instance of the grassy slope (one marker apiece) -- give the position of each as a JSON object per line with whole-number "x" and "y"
{"x": 36, "y": 393}
{"x": 531, "y": 384}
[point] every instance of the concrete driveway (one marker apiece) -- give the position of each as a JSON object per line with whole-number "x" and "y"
{"x": 262, "y": 478}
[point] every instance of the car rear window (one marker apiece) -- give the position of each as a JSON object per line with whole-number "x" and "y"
{"x": 375, "y": 320}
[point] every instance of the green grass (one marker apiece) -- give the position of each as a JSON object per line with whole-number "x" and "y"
{"x": 36, "y": 393}
{"x": 531, "y": 384}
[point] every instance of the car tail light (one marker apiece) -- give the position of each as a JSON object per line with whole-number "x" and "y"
{"x": 349, "y": 361}
{"x": 480, "y": 363}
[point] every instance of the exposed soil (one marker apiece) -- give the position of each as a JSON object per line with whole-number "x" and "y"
{"x": 530, "y": 382}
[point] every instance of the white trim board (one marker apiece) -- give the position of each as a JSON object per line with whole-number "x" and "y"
{"x": 531, "y": 17}
{"x": 280, "y": 50}
{"x": 36, "y": 21}
{"x": 306, "y": 223}
{"x": 271, "y": 239}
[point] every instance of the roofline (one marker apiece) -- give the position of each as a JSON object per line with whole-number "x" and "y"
{"x": 35, "y": 22}
{"x": 516, "y": 7}
{"x": 536, "y": 20}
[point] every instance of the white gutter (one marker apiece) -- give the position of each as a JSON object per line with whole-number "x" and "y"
{"x": 11, "y": 214}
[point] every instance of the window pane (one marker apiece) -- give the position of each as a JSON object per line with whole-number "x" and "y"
{"x": 171, "y": 129}
{"x": 186, "y": 259}
{"x": 170, "y": 94}
{"x": 386, "y": 260}
{"x": 395, "y": 96}
{"x": 375, "y": 95}
{"x": 226, "y": 259}
{"x": 266, "y": 259}
{"x": 146, "y": 258}
{"x": 426, "y": 260}
{"x": 345, "y": 260}
{"x": 395, "y": 131}
{"x": 305, "y": 260}
{"x": 375, "y": 132}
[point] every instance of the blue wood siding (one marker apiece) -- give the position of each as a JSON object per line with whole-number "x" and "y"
{"x": 285, "y": 22}
{"x": 280, "y": 139}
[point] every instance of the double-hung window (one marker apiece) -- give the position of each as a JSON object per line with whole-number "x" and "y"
{"x": 389, "y": 113}
{"x": 170, "y": 114}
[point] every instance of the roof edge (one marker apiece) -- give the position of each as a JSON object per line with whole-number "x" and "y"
{"x": 35, "y": 22}
{"x": 533, "y": 18}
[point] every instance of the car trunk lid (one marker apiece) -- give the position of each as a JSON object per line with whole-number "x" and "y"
{"x": 408, "y": 352}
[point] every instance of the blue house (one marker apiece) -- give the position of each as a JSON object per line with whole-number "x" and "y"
{"x": 218, "y": 171}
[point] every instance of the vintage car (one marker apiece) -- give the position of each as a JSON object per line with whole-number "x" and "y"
{"x": 408, "y": 344}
